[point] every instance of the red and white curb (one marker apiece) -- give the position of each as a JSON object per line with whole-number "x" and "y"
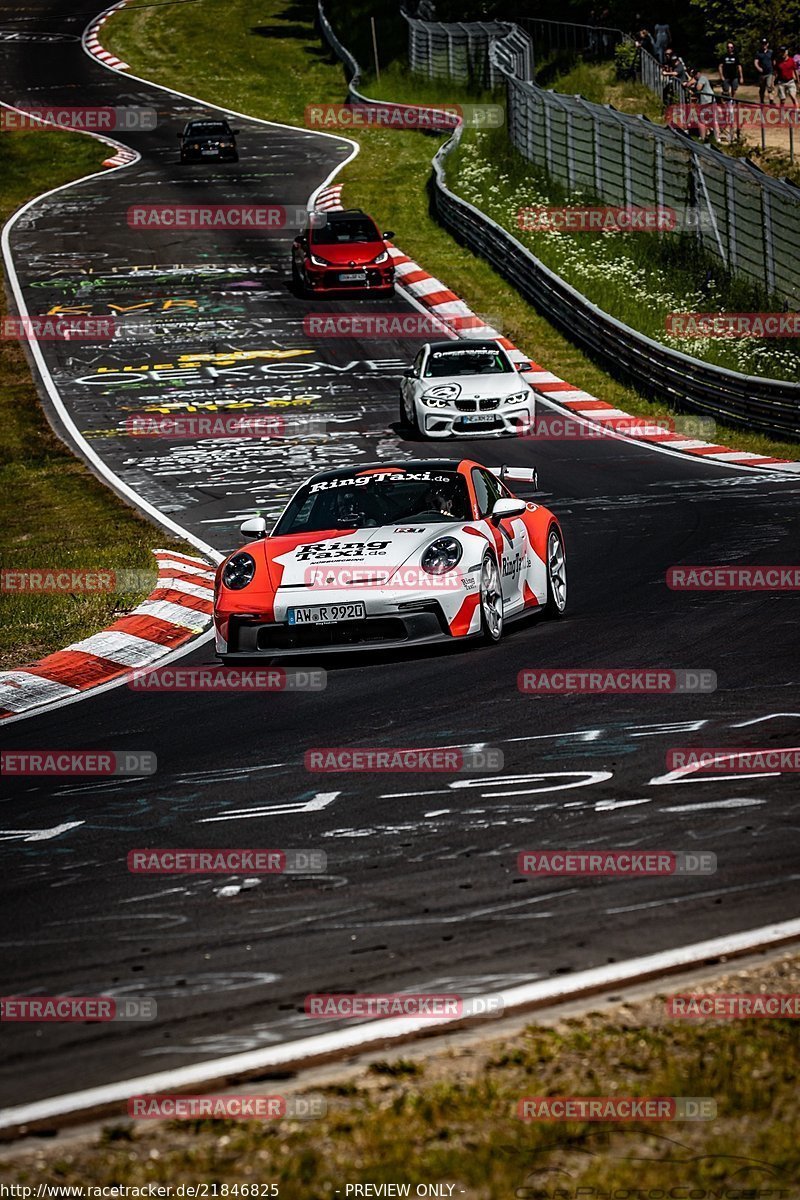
{"x": 329, "y": 198}
{"x": 91, "y": 41}
{"x": 443, "y": 303}
{"x": 178, "y": 609}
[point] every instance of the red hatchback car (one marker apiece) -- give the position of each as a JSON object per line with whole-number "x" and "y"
{"x": 340, "y": 251}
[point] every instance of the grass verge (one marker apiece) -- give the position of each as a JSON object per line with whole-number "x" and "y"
{"x": 271, "y": 65}
{"x": 449, "y": 1117}
{"x": 54, "y": 513}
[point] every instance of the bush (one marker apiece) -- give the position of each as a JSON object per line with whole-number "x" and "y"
{"x": 625, "y": 60}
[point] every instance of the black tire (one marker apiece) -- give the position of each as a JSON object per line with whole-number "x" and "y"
{"x": 556, "y": 568}
{"x": 491, "y": 600}
{"x": 410, "y": 425}
{"x": 297, "y": 279}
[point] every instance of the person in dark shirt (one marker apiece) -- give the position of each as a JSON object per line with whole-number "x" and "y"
{"x": 730, "y": 71}
{"x": 766, "y": 71}
{"x": 645, "y": 42}
{"x": 663, "y": 40}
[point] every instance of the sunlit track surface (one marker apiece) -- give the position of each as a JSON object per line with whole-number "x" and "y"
{"x": 421, "y": 890}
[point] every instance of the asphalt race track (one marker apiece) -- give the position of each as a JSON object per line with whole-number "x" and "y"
{"x": 421, "y": 891}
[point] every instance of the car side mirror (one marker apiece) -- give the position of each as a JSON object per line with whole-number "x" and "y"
{"x": 254, "y": 527}
{"x": 409, "y": 374}
{"x": 524, "y": 366}
{"x": 508, "y": 507}
{"x": 388, "y": 234}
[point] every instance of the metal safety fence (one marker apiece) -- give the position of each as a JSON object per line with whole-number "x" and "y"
{"x": 621, "y": 165}
{"x": 745, "y": 218}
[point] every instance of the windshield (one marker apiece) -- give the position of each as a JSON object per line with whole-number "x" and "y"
{"x": 208, "y": 129}
{"x": 339, "y": 233}
{"x": 370, "y": 501}
{"x": 443, "y": 364}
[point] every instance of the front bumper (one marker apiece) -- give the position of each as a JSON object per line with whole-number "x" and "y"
{"x": 328, "y": 279}
{"x": 249, "y": 638}
{"x": 394, "y": 618}
{"x": 499, "y": 422}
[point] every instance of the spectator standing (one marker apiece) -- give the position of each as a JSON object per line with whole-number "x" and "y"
{"x": 796, "y": 57}
{"x": 662, "y": 41}
{"x": 700, "y": 86}
{"x": 675, "y": 76}
{"x": 763, "y": 63}
{"x": 730, "y": 71}
{"x": 786, "y": 77}
{"x": 645, "y": 42}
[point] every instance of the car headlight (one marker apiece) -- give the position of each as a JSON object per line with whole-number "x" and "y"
{"x": 517, "y": 398}
{"x": 239, "y": 571}
{"x": 195, "y": 145}
{"x": 442, "y": 555}
{"x": 433, "y": 402}
{"x": 444, "y": 391}
{"x": 319, "y": 262}
{"x": 382, "y": 257}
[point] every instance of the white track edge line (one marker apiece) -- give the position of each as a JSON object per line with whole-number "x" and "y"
{"x": 376, "y": 1033}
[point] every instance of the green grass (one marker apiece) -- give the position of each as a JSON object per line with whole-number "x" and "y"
{"x": 275, "y": 76}
{"x": 450, "y": 1117}
{"x": 639, "y": 278}
{"x": 598, "y": 83}
{"x": 53, "y": 511}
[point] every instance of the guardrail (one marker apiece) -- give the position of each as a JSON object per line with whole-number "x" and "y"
{"x": 770, "y": 406}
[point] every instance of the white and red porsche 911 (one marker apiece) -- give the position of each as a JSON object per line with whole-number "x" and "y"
{"x": 389, "y": 555}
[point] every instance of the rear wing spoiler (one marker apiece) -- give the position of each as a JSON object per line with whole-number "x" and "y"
{"x": 517, "y": 474}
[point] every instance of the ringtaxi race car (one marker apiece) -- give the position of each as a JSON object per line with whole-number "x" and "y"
{"x": 466, "y": 388}
{"x": 390, "y": 555}
{"x": 208, "y": 139}
{"x": 342, "y": 250}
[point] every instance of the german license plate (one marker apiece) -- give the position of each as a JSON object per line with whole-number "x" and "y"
{"x": 353, "y": 277}
{"x": 210, "y": 150}
{"x": 327, "y": 614}
{"x": 478, "y": 420}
